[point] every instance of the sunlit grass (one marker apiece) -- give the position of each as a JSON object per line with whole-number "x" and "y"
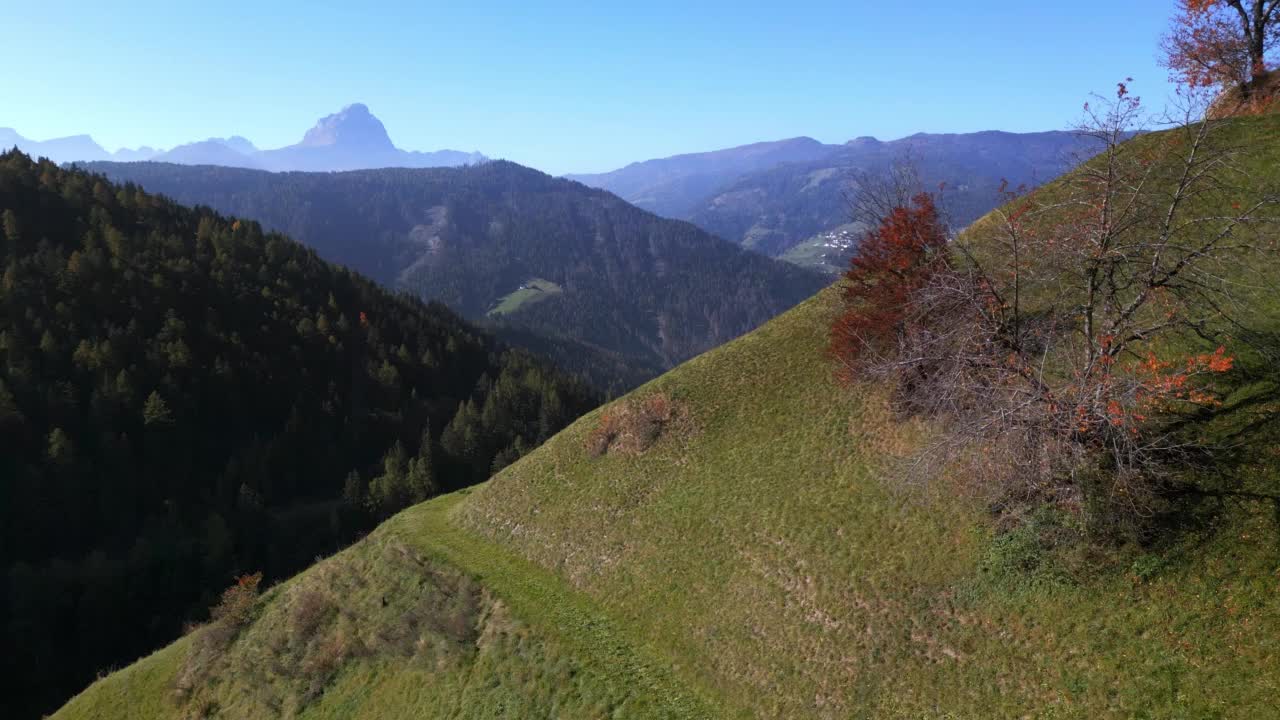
{"x": 532, "y": 291}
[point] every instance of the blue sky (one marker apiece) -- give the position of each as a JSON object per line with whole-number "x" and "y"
{"x": 567, "y": 87}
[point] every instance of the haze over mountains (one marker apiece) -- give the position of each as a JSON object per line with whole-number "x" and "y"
{"x": 350, "y": 139}
{"x": 775, "y": 197}
{"x": 673, "y": 186}
{"x": 599, "y": 285}
{"x": 788, "y": 199}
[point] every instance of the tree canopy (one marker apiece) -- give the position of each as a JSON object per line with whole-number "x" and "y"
{"x": 1222, "y": 42}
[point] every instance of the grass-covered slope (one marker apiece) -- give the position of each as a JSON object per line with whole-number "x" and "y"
{"x": 725, "y": 539}
{"x": 753, "y": 559}
{"x": 762, "y": 550}
{"x": 420, "y": 619}
{"x": 766, "y": 559}
{"x": 529, "y": 292}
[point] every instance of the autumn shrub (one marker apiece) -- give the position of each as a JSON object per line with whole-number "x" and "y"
{"x": 1222, "y": 43}
{"x": 321, "y": 662}
{"x": 310, "y": 608}
{"x": 634, "y": 425}
{"x": 1066, "y": 350}
{"x": 894, "y": 260}
{"x": 236, "y": 606}
{"x": 227, "y": 618}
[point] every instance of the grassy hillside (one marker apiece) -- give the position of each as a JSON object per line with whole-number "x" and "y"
{"x": 828, "y": 252}
{"x": 755, "y": 560}
{"x": 765, "y": 558}
{"x": 762, "y": 552}
{"x": 729, "y": 527}
{"x": 419, "y": 619}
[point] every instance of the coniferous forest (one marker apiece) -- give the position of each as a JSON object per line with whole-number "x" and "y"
{"x": 641, "y": 293}
{"x": 185, "y": 398}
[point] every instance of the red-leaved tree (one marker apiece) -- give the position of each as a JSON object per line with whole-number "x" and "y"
{"x": 1222, "y": 42}
{"x": 894, "y": 260}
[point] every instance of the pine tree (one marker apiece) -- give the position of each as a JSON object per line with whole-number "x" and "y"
{"x": 421, "y": 480}
{"x": 11, "y": 233}
{"x": 59, "y": 447}
{"x": 156, "y": 411}
{"x": 388, "y": 492}
{"x": 9, "y": 410}
{"x": 353, "y": 490}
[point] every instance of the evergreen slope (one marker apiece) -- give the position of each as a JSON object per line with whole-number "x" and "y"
{"x": 184, "y": 397}
{"x": 651, "y": 290}
{"x": 732, "y": 521}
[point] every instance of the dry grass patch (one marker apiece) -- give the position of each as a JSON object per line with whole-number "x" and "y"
{"x": 634, "y": 425}
{"x": 382, "y": 602}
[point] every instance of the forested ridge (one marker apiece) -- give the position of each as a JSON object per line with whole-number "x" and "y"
{"x": 651, "y": 290}
{"x": 185, "y": 397}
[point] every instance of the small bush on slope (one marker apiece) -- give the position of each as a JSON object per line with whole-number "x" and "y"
{"x": 383, "y": 603}
{"x": 635, "y": 425}
{"x": 232, "y": 613}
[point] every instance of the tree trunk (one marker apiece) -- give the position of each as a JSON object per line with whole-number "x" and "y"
{"x": 1254, "y": 23}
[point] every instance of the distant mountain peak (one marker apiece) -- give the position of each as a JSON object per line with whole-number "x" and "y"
{"x": 863, "y": 141}
{"x": 238, "y": 143}
{"x": 350, "y": 139}
{"x": 353, "y": 126}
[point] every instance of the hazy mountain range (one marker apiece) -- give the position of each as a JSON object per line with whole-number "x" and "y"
{"x": 350, "y": 139}
{"x": 791, "y": 197}
{"x": 673, "y": 186}
{"x": 786, "y": 198}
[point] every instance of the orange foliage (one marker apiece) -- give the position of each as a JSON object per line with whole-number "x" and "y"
{"x": 238, "y": 600}
{"x": 893, "y": 261}
{"x": 1221, "y": 42}
{"x": 1132, "y": 394}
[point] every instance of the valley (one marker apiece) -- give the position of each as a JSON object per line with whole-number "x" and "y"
{"x": 650, "y": 291}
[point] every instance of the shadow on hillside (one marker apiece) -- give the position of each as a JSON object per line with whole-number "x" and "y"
{"x": 1242, "y": 464}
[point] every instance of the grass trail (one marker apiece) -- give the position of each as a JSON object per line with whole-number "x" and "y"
{"x": 540, "y": 598}
{"x": 554, "y": 635}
